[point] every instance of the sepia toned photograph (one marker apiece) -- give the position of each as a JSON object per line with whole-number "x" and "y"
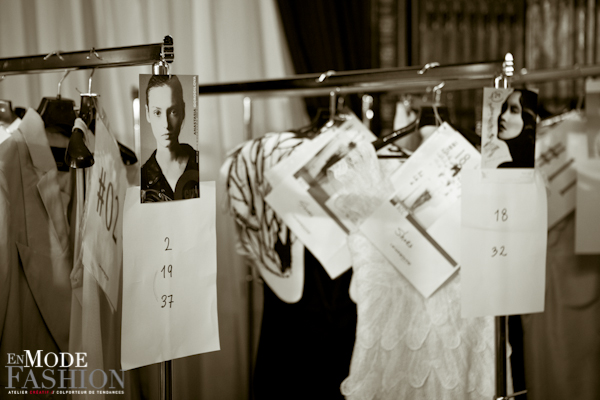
{"x": 169, "y": 138}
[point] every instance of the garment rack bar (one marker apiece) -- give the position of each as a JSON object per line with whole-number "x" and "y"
{"x": 556, "y": 74}
{"x": 455, "y": 77}
{"x": 359, "y": 78}
{"x": 92, "y": 58}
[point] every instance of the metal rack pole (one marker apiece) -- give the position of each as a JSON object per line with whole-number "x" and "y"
{"x": 94, "y": 58}
{"x": 502, "y": 81}
{"x": 247, "y": 104}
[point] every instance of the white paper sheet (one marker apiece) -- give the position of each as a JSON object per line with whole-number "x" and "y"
{"x": 169, "y": 279}
{"x": 557, "y": 165}
{"x": 587, "y": 216}
{"x": 103, "y": 232}
{"x": 416, "y": 229}
{"x": 301, "y": 190}
{"x": 503, "y": 236}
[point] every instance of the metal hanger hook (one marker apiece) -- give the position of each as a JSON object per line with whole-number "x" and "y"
{"x": 94, "y": 52}
{"x": 428, "y": 66}
{"x": 54, "y": 53}
{"x": 437, "y": 92}
{"x": 90, "y": 81}
{"x": 324, "y": 76}
{"x": 61, "y": 81}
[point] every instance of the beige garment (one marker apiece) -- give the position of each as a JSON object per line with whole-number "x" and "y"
{"x": 35, "y": 253}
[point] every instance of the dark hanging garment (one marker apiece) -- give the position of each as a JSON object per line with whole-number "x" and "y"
{"x": 306, "y": 341}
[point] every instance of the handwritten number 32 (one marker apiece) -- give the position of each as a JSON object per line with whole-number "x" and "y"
{"x": 498, "y": 252}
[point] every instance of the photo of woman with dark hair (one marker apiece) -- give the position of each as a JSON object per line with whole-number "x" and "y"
{"x": 171, "y": 172}
{"x": 516, "y": 127}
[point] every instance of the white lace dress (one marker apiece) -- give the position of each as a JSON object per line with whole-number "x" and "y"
{"x": 407, "y": 347}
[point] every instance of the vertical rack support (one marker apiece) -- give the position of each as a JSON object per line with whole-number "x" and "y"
{"x": 162, "y": 67}
{"x": 247, "y": 110}
{"x": 502, "y": 81}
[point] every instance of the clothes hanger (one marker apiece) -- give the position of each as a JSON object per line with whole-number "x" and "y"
{"x": 87, "y": 112}
{"x": 7, "y": 115}
{"x": 427, "y": 115}
{"x": 315, "y": 125}
{"x": 78, "y": 155}
{"x": 58, "y": 113}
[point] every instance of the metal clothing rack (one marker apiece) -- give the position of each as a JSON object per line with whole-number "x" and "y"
{"x": 93, "y": 58}
{"x": 428, "y": 78}
{"x": 157, "y": 54}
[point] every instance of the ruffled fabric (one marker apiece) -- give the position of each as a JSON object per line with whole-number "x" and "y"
{"x": 407, "y": 347}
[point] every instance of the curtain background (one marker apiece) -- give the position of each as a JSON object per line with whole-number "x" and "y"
{"x": 218, "y": 40}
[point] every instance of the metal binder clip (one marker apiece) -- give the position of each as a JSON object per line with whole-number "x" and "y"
{"x": 508, "y": 70}
{"x": 161, "y": 68}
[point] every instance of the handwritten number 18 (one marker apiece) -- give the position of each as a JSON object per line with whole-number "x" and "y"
{"x": 501, "y": 215}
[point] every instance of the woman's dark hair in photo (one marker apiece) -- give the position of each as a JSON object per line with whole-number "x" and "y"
{"x": 522, "y": 147}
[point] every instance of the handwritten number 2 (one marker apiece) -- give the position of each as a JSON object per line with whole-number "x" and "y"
{"x": 168, "y": 243}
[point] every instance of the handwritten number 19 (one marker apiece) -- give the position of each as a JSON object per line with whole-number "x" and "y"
{"x": 501, "y": 215}
{"x": 167, "y": 270}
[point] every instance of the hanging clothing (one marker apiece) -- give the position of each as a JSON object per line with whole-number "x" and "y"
{"x": 262, "y": 235}
{"x": 562, "y": 344}
{"x": 305, "y": 347}
{"x": 407, "y": 346}
{"x": 35, "y": 253}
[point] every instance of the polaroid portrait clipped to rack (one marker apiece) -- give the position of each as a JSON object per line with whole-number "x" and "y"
{"x": 169, "y": 138}
{"x": 508, "y": 128}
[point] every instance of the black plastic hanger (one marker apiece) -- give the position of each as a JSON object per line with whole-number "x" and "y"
{"x": 320, "y": 119}
{"x": 58, "y": 113}
{"x": 88, "y": 111}
{"x": 7, "y": 115}
{"x": 426, "y": 116}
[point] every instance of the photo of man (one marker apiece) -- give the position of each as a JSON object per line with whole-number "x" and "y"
{"x": 170, "y": 170}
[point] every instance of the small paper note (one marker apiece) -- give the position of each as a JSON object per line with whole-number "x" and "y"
{"x": 301, "y": 190}
{"x": 587, "y": 217}
{"x": 103, "y": 232}
{"x": 503, "y": 240}
{"x": 169, "y": 279}
{"x": 556, "y": 163}
{"x": 416, "y": 229}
